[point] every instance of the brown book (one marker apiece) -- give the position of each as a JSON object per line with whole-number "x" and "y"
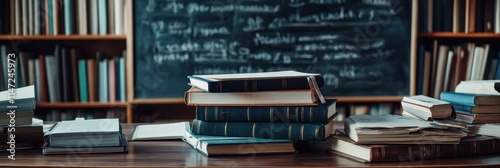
{"x": 74, "y": 73}
{"x": 427, "y": 73}
{"x": 46, "y": 18}
{"x": 471, "y": 16}
{"x": 92, "y": 79}
{"x": 468, "y": 146}
{"x": 456, "y": 16}
{"x": 433, "y": 70}
{"x": 479, "y": 118}
{"x": 112, "y": 80}
{"x": 460, "y": 66}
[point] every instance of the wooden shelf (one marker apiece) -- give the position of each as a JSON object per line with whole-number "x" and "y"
{"x": 64, "y": 37}
{"x": 81, "y": 105}
{"x": 458, "y": 35}
{"x": 159, "y": 101}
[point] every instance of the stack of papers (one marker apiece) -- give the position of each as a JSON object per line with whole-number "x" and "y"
{"x": 394, "y": 129}
{"x": 85, "y": 136}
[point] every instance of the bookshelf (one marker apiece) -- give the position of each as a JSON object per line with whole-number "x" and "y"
{"x": 461, "y": 39}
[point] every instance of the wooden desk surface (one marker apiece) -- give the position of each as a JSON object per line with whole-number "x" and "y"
{"x": 180, "y": 154}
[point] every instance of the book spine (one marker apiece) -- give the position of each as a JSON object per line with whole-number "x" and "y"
{"x": 430, "y": 151}
{"x": 82, "y": 74}
{"x": 283, "y": 114}
{"x": 269, "y": 130}
{"x": 463, "y": 108}
{"x": 68, "y": 17}
{"x": 263, "y": 85}
{"x": 455, "y": 98}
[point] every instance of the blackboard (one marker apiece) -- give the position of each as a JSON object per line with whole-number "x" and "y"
{"x": 361, "y": 47}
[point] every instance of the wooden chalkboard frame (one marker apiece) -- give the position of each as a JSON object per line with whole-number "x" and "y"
{"x": 130, "y": 70}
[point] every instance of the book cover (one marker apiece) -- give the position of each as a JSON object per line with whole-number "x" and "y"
{"x": 169, "y": 131}
{"x": 468, "y": 146}
{"x": 489, "y": 129}
{"x": 261, "y": 81}
{"x": 102, "y": 10}
{"x": 477, "y": 109}
{"x": 92, "y": 79}
{"x": 82, "y": 22}
{"x": 477, "y": 118}
{"x": 74, "y": 71}
{"x": 225, "y": 145}
{"x": 68, "y": 17}
{"x": 321, "y": 113}
{"x": 82, "y": 75}
{"x": 470, "y": 99}
{"x": 197, "y": 97}
{"x": 268, "y": 130}
{"x": 112, "y": 80}
{"x": 491, "y": 87}
{"x": 427, "y": 107}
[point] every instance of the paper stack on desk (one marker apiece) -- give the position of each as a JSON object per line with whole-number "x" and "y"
{"x": 85, "y": 136}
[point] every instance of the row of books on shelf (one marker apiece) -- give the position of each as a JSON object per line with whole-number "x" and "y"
{"x": 441, "y": 67}
{"x": 67, "y": 17}
{"x": 464, "y": 16}
{"x": 68, "y": 76}
{"x": 70, "y": 114}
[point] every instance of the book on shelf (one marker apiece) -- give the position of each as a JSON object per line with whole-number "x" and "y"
{"x": 268, "y": 130}
{"x": 165, "y": 131}
{"x": 427, "y": 108}
{"x": 308, "y": 114}
{"x": 477, "y": 118}
{"x": 95, "y": 132}
{"x": 470, "y": 99}
{"x": 301, "y": 97}
{"x": 394, "y": 129}
{"x": 468, "y": 146}
{"x": 226, "y": 145}
{"x": 248, "y": 82}
{"x": 488, "y": 129}
{"x": 490, "y": 87}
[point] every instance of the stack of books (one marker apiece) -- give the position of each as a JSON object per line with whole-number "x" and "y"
{"x": 82, "y": 136}
{"x": 18, "y": 131}
{"x": 267, "y": 107}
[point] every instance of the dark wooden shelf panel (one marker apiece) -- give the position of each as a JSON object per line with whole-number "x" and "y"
{"x": 159, "y": 101}
{"x": 81, "y": 105}
{"x": 64, "y": 37}
{"x": 458, "y": 35}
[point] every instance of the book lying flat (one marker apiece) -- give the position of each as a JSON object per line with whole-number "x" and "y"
{"x": 490, "y": 87}
{"x": 23, "y": 98}
{"x": 224, "y": 145}
{"x": 164, "y": 131}
{"x": 197, "y": 97}
{"x": 489, "y": 129}
{"x": 394, "y": 129}
{"x": 477, "y": 118}
{"x": 427, "y": 108}
{"x": 261, "y": 81}
{"x": 495, "y": 109}
{"x": 309, "y": 114}
{"x": 269, "y": 130}
{"x": 468, "y": 146}
{"x": 97, "y": 132}
{"x": 470, "y": 99}
{"x": 86, "y": 148}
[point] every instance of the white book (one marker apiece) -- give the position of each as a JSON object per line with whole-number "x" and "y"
{"x": 427, "y": 108}
{"x": 490, "y": 87}
{"x": 484, "y": 59}
{"x": 94, "y": 22}
{"x": 37, "y": 16}
{"x": 125, "y": 17}
{"x": 118, "y": 16}
{"x": 102, "y": 17}
{"x": 150, "y": 131}
{"x": 95, "y": 132}
{"x": 82, "y": 17}
{"x": 477, "y": 62}
{"x": 440, "y": 68}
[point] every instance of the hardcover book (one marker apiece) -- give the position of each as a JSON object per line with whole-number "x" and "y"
{"x": 468, "y": 146}
{"x": 477, "y": 118}
{"x": 470, "y": 99}
{"x": 268, "y": 130}
{"x": 427, "y": 108}
{"x": 303, "y": 97}
{"x": 307, "y": 114}
{"x": 165, "y": 131}
{"x": 247, "y": 82}
{"x": 477, "y": 109}
{"x": 224, "y": 145}
{"x": 489, "y": 129}
{"x": 490, "y": 87}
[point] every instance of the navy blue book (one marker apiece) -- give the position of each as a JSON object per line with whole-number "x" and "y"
{"x": 470, "y": 99}
{"x": 261, "y": 81}
{"x": 306, "y": 114}
{"x": 267, "y": 130}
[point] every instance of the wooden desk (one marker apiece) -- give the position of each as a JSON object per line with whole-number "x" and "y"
{"x": 180, "y": 154}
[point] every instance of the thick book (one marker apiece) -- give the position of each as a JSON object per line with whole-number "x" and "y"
{"x": 302, "y": 97}
{"x": 261, "y": 81}
{"x": 22, "y": 99}
{"x": 477, "y": 118}
{"x": 468, "y": 146}
{"x": 321, "y": 113}
{"x": 489, "y": 129}
{"x": 477, "y": 109}
{"x": 86, "y": 148}
{"x": 225, "y": 145}
{"x": 470, "y": 99}
{"x": 490, "y": 87}
{"x": 268, "y": 130}
{"x": 395, "y": 129}
{"x": 93, "y": 132}
{"x": 427, "y": 108}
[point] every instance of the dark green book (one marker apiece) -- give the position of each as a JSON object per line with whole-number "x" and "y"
{"x": 268, "y": 130}
{"x": 307, "y": 114}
